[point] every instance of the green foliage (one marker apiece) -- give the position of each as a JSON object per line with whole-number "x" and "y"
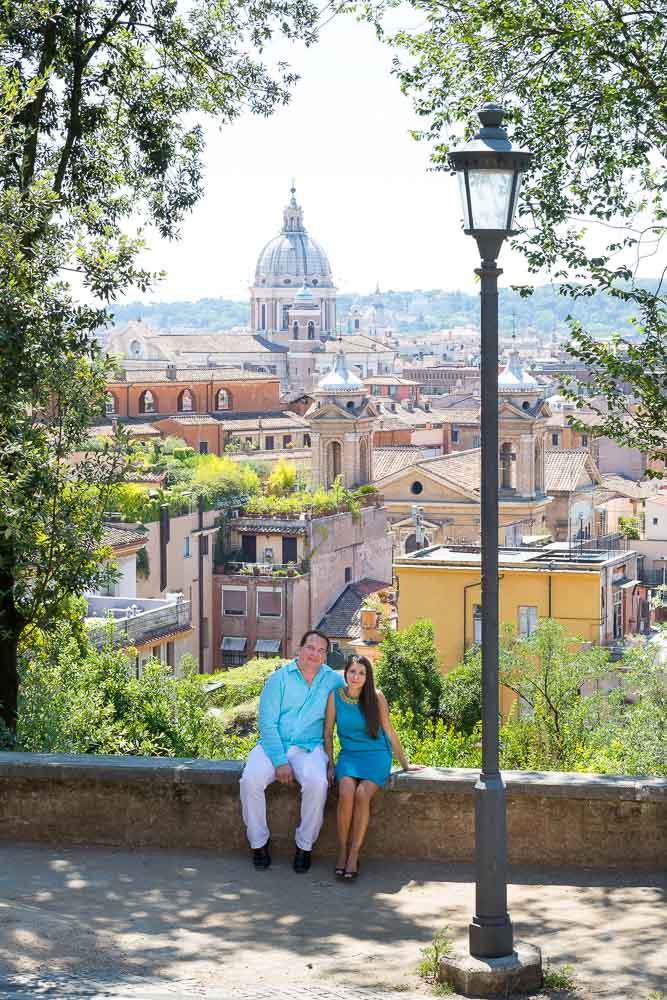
{"x": 585, "y": 87}
{"x": 240, "y": 684}
{"x": 547, "y": 671}
{"x": 143, "y": 563}
{"x": 629, "y": 527}
{"x": 429, "y": 966}
{"x": 436, "y": 744}
{"x": 408, "y": 671}
{"x": 75, "y": 699}
{"x": 241, "y": 720}
{"x": 461, "y": 698}
{"x": 283, "y": 478}
{"x": 100, "y": 110}
{"x": 558, "y": 977}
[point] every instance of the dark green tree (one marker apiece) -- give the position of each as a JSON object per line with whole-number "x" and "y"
{"x": 101, "y": 111}
{"x": 585, "y": 88}
{"x": 408, "y": 671}
{"x": 461, "y": 698}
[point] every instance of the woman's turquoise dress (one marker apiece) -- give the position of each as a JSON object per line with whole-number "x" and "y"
{"x": 360, "y": 756}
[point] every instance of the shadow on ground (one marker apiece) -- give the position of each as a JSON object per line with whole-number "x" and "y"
{"x": 207, "y": 921}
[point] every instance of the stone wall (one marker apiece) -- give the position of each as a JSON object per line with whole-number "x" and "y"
{"x": 553, "y": 819}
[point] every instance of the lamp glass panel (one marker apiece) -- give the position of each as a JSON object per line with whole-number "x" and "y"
{"x": 516, "y": 198}
{"x": 490, "y": 194}
{"x": 461, "y": 174}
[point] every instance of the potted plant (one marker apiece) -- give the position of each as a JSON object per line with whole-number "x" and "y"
{"x": 370, "y": 613}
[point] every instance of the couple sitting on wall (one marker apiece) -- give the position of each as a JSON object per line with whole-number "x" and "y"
{"x": 299, "y": 706}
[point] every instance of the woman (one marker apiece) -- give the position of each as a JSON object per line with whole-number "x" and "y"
{"x": 367, "y": 738}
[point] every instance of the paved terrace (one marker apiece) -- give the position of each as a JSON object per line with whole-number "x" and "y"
{"x": 81, "y": 922}
{"x": 129, "y": 878}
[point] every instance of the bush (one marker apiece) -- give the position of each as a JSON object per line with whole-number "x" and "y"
{"x": 461, "y": 698}
{"x": 436, "y": 744}
{"x": 76, "y": 699}
{"x": 408, "y": 671}
{"x": 241, "y": 684}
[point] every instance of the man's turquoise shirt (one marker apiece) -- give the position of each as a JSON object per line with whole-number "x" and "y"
{"x": 291, "y": 714}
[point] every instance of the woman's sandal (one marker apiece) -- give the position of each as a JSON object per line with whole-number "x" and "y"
{"x": 350, "y": 876}
{"x": 339, "y": 872}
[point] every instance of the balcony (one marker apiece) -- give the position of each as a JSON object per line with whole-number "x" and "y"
{"x": 135, "y": 621}
{"x": 275, "y": 571}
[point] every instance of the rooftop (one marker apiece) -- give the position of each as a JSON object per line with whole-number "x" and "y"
{"x": 343, "y": 619}
{"x": 554, "y": 557}
{"x": 567, "y": 469}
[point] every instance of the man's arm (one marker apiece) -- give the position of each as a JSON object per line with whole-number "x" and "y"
{"x": 269, "y": 714}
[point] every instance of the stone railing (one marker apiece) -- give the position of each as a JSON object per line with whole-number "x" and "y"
{"x": 577, "y": 820}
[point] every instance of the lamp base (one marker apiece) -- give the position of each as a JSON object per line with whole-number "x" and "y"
{"x": 520, "y": 972}
{"x": 491, "y": 940}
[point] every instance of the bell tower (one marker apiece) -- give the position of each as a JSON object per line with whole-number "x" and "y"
{"x": 522, "y": 428}
{"x": 341, "y": 427}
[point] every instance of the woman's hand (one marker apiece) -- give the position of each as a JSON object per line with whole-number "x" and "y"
{"x": 331, "y": 773}
{"x": 414, "y": 767}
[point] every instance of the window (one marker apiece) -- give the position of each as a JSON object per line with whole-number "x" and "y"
{"x": 186, "y": 547}
{"x": 295, "y": 330}
{"x": 269, "y": 603}
{"x": 203, "y": 447}
{"x": 285, "y": 318}
{"x": 290, "y": 549}
{"x": 186, "y": 401}
{"x": 554, "y": 440}
{"x": 110, "y": 404}
{"x": 392, "y": 390}
{"x": 306, "y": 440}
{"x": 584, "y": 440}
{"x": 203, "y": 544}
{"x": 416, "y": 487}
{"x": 654, "y": 520}
{"x": 527, "y": 620}
{"x": 376, "y": 390}
{"x": 348, "y": 574}
{"x": 263, "y": 320}
{"x": 356, "y": 324}
{"x": 268, "y": 442}
{"x": 171, "y": 659}
{"x": 455, "y": 435}
{"x": 234, "y": 601}
{"x": 311, "y": 331}
{"x": 287, "y": 440}
{"x": 248, "y": 442}
{"x": 477, "y": 624}
{"x": 222, "y": 400}
{"x": 476, "y": 441}
{"x": 147, "y": 402}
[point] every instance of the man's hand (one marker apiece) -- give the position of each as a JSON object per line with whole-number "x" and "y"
{"x": 331, "y": 773}
{"x": 285, "y": 774}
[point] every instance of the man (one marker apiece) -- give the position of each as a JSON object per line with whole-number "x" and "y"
{"x": 292, "y": 707}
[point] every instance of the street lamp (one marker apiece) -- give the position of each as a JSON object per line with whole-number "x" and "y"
{"x": 489, "y": 172}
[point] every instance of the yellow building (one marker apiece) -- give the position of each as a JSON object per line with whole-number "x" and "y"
{"x": 595, "y": 595}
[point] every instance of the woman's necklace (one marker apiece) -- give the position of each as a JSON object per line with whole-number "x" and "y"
{"x": 348, "y": 697}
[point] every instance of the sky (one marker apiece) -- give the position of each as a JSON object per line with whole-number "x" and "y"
{"x": 364, "y": 183}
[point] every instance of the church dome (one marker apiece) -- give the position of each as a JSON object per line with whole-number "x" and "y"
{"x": 513, "y": 377}
{"x": 339, "y": 380}
{"x": 293, "y": 257}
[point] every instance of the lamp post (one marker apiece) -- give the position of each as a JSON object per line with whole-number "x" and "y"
{"x": 489, "y": 171}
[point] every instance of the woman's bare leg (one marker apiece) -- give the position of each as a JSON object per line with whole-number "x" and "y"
{"x": 346, "y": 790}
{"x": 362, "y": 809}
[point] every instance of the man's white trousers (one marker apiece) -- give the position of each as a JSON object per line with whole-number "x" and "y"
{"x": 310, "y": 770}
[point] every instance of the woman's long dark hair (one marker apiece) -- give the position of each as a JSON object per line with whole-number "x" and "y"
{"x": 368, "y": 698}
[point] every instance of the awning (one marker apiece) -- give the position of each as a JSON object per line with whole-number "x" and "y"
{"x": 267, "y": 646}
{"x": 630, "y": 583}
{"x": 233, "y": 644}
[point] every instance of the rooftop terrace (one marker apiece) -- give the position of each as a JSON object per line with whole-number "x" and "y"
{"x": 558, "y": 555}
